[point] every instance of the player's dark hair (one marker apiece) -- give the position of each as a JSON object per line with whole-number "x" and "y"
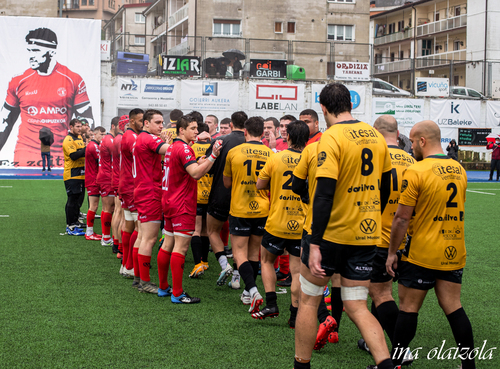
{"x": 42, "y": 34}
{"x": 225, "y": 121}
{"x": 216, "y": 119}
{"x": 198, "y": 117}
{"x": 336, "y": 98}
{"x": 289, "y": 117}
{"x": 255, "y": 126}
{"x": 298, "y": 133}
{"x": 115, "y": 121}
{"x": 135, "y": 112}
{"x": 100, "y": 129}
{"x": 310, "y": 112}
{"x": 203, "y": 127}
{"x": 175, "y": 115}
{"x": 275, "y": 121}
{"x": 239, "y": 118}
{"x": 74, "y": 121}
{"x": 148, "y": 114}
{"x": 184, "y": 122}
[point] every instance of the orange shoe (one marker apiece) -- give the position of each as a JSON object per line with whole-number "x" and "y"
{"x": 333, "y": 337}
{"x": 93, "y": 237}
{"x": 324, "y": 330}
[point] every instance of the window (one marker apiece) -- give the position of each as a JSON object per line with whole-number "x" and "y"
{"x": 140, "y": 40}
{"x": 472, "y": 93}
{"x": 401, "y": 25}
{"x": 456, "y": 80}
{"x": 227, "y": 28}
{"x": 401, "y": 55}
{"x": 392, "y": 28}
{"x": 436, "y": 16}
{"x": 456, "y": 45}
{"x": 457, "y": 11}
{"x": 84, "y": 2}
{"x": 278, "y": 27}
{"x": 340, "y": 32}
{"x": 91, "y": 3}
{"x": 426, "y": 47}
{"x": 392, "y": 57}
{"x": 291, "y": 27}
{"x": 139, "y": 18}
{"x": 459, "y": 91}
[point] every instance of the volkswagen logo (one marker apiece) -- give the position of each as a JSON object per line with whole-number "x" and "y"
{"x": 254, "y": 205}
{"x": 368, "y": 226}
{"x": 450, "y": 253}
{"x": 292, "y": 225}
{"x": 205, "y": 193}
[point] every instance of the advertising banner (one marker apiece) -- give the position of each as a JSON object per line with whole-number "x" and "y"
{"x": 448, "y": 134}
{"x": 180, "y": 65}
{"x": 352, "y": 71}
{"x": 358, "y": 93}
{"x": 207, "y": 95}
{"x": 438, "y": 87}
{"x": 274, "y": 98}
{"x": 147, "y": 93}
{"x": 493, "y": 114}
{"x": 105, "y": 50}
{"x": 456, "y": 113}
{"x": 51, "y": 72}
{"x": 406, "y": 111}
{"x": 269, "y": 69}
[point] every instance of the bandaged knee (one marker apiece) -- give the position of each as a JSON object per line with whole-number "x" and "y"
{"x": 310, "y": 288}
{"x": 354, "y": 293}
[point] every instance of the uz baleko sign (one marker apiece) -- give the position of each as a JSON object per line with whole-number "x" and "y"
{"x": 180, "y": 65}
{"x": 265, "y": 68}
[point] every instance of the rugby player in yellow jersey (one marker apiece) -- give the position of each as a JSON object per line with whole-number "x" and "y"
{"x": 174, "y": 116}
{"x": 200, "y": 243}
{"x": 383, "y": 305}
{"x": 249, "y": 206}
{"x": 431, "y": 208}
{"x": 354, "y": 167}
{"x": 286, "y": 217}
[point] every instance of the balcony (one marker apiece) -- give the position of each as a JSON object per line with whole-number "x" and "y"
{"x": 393, "y": 37}
{"x": 395, "y": 66}
{"x": 442, "y": 25}
{"x": 181, "y": 49}
{"x": 178, "y": 17}
{"x": 441, "y": 59}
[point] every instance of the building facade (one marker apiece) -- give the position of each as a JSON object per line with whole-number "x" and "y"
{"x": 40, "y": 8}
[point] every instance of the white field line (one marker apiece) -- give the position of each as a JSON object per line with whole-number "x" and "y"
{"x": 5, "y": 186}
{"x": 4, "y": 216}
{"x": 484, "y": 193}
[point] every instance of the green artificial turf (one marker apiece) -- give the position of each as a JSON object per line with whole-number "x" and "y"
{"x": 64, "y": 305}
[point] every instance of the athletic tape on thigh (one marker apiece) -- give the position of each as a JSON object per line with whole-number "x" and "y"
{"x": 309, "y": 288}
{"x": 170, "y": 234}
{"x": 135, "y": 215}
{"x": 187, "y": 234}
{"x": 128, "y": 215}
{"x": 353, "y": 293}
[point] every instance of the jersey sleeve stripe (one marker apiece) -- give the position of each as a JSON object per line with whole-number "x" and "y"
{"x": 189, "y": 163}
{"x": 159, "y": 147}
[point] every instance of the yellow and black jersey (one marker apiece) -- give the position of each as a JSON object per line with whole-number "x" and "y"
{"x": 205, "y": 182}
{"x": 355, "y": 154}
{"x": 400, "y": 160}
{"x": 436, "y": 188}
{"x": 73, "y": 169}
{"x": 306, "y": 169}
{"x": 174, "y": 134}
{"x": 243, "y": 165}
{"x": 286, "y": 215}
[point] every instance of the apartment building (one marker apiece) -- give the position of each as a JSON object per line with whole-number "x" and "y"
{"x": 436, "y": 38}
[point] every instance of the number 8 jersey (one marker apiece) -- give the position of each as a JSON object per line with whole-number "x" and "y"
{"x": 356, "y": 155}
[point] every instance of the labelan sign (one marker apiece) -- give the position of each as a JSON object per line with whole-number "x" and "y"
{"x": 180, "y": 65}
{"x": 352, "y": 71}
{"x": 432, "y": 86}
{"x": 277, "y": 97}
{"x": 265, "y": 68}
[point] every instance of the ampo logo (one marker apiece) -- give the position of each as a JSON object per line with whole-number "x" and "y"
{"x": 32, "y": 110}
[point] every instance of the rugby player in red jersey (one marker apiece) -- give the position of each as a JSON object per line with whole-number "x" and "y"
{"x": 148, "y": 149}
{"x": 115, "y": 181}
{"x": 310, "y": 117}
{"x": 91, "y": 170}
{"x": 282, "y": 143}
{"x": 104, "y": 179}
{"x": 179, "y": 186}
{"x": 46, "y": 95}
{"x": 126, "y": 192}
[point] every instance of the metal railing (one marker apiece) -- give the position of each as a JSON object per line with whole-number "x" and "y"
{"x": 395, "y": 66}
{"x": 442, "y": 25}
{"x": 393, "y": 37}
{"x": 440, "y": 59}
{"x": 178, "y": 16}
{"x": 181, "y": 49}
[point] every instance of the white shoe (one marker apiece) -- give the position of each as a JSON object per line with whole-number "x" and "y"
{"x": 128, "y": 273}
{"x": 224, "y": 275}
{"x": 121, "y": 269}
{"x": 245, "y": 299}
{"x": 257, "y": 300}
{"x": 107, "y": 243}
{"x": 235, "y": 281}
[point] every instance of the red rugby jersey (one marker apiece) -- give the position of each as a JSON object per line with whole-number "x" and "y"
{"x": 147, "y": 165}
{"x": 91, "y": 163}
{"x": 105, "y": 161}
{"x": 179, "y": 188}
{"x": 45, "y": 101}
{"x": 281, "y": 144}
{"x": 126, "y": 159}
{"x": 314, "y": 138}
{"x": 115, "y": 181}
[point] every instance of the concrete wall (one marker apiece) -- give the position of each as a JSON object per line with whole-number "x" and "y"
{"x": 38, "y": 8}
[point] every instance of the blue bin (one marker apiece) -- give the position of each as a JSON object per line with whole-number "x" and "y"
{"x": 131, "y": 63}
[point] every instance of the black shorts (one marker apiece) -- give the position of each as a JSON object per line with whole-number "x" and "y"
{"x": 277, "y": 245}
{"x": 247, "y": 226}
{"x": 201, "y": 210}
{"x": 420, "y": 278}
{"x": 219, "y": 214}
{"x": 379, "y": 271}
{"x": 74, "y": 186}
{"x": 351, "y": 262}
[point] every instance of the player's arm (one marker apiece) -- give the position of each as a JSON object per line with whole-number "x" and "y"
{"x": 385, "y": 189}
{"x": 262, "y": 184}
{"x": 200, "y": 168}
{"x": 228, "y": 181}
{"x": 8, "y": 117}
{"x": 398, "y": 231}
{"x": 265, "y": 176}
{"x": 301, "y": 188}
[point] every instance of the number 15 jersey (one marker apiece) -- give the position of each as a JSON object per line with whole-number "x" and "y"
{"x": 356, "y": 155}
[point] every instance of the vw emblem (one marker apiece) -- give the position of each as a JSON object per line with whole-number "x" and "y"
{"x": 254, "y": 205}
{"x": 450, "y": 253}
{"x": 368, "y": 226}
{"x": 292, "y": 225}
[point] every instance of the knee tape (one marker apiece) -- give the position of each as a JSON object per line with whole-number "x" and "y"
{"x": 354, "y": 293}
{"x": 309, "y": 288}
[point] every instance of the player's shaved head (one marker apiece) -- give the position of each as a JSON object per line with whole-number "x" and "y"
{"x": 387, "y": 125}
{"x": 428, "y": 130}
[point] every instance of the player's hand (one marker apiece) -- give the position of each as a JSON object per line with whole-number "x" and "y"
{"x": 201, "y": 159}
{"x": 272, "y": 140}
{"x": 217, "y": 147}
{"x": 315, "y": 261}
{"x": 166, "y": 135}
{"x": 391, "y": 264}
{"x": 203, "y": 136}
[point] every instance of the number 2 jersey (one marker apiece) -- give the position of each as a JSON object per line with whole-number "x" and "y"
{"x": 436, "y": 188}
{"x": 355, "y": 154}
{"x": 243, "y": 164}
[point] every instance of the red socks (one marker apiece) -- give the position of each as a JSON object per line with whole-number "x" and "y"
{"x": 285, "y": 264}
{"x": 144, "y": 266}
{"x": 130, "y": 260}
{"x": 137, "y": 271}
{"x": 90, "y": 218}
{"x": 106, "y": 224}
{"x": 125, "y": 245}
{"x": 224, "y": 233}
{"x": 163, "y": 262}
{"x": 177, "y": 264}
